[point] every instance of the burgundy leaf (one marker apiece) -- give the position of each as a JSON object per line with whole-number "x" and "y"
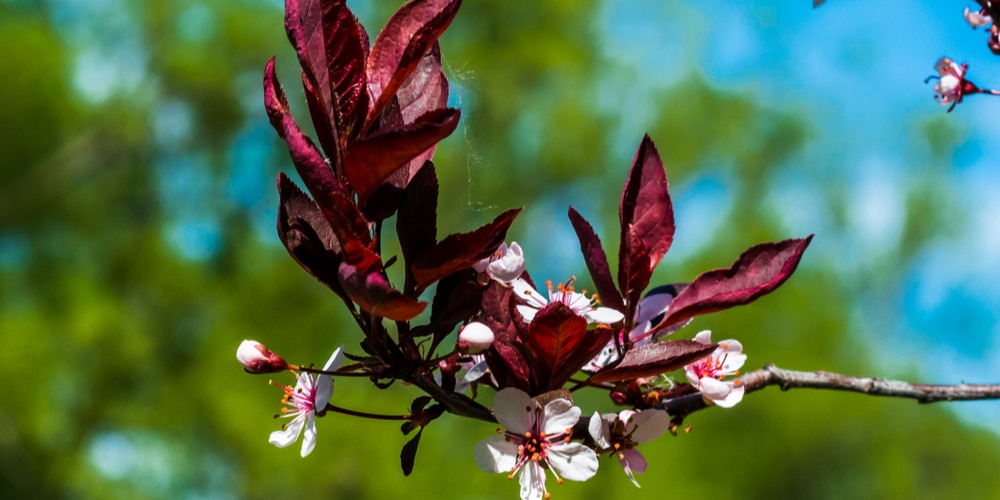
{"x": 645, "y": 204}
{"x": 312, "y": 168}
{"x": 758, "y": 271}
{"x": 304, "y": 27}
{"x": 506, "y": 362}
{"x": 373, "y": 293}
{"x": 459, "y": 251}
{"x": 591, "y": 345}
{"x": 633, "y": 270}
{"x": 654, "y": 359}
{"x": 597, "y": 261}
{"x": 346, "y": 54}
{"x": 307, "y": 235}
{"x": 553, "y": 338}
{"x": 401, "y": 46}
{"x": 371, "y": 160}
{"x": 424, "y": 91}
{"x": 456, "y": 299}
{"x": 416, "y": 223}
{"x": 327, "y": 128}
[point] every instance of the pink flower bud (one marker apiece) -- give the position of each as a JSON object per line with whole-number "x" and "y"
{"x": 256, "y": 358}
{"x": 475, "y": 338}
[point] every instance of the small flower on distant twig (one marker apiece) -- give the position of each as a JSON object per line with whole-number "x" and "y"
{"x": 307, "y": 399}
{"x": 505, "y": 265}
{"x": 256, "y": 358}
{"x": 708, "y": 374}
{"x": 619, "y": 434}
{"x": 977, "y": 19}
{"x": 952, "y": 85}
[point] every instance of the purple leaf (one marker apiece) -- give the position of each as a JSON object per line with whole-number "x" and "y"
{"x": 597, "y": 261}
{"x": 647, "y": 217}
{"x": 416, "y": 223}
{"x": 374, "y": 294}
{"x": 654, "y": 359}
{"x": 505, "y": 360}
{"x": 459, "y": 251}
{"x": 371, "y": 160}
{"x": 757, "y": 272}
{"x": 408, "y": 455}
{"x": 457, "y": 298}
{"x": 553, "y": 336}
{"x": 307, "y": 235}
{"x": 346, "y": 55}
{"x": 401, "y": 45}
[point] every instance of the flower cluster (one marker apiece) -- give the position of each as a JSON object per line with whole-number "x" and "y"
{"x": 378, "y": 112}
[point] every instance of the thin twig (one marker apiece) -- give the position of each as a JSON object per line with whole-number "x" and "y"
{"x": 790, "y": 379}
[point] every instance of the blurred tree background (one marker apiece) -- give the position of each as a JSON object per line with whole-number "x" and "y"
{"x": 137, "y": 250}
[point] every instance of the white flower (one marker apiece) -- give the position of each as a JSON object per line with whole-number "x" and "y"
{"x": 949, "y": 85}
{"x": 308, "y": 398}
{"x": 578, "y": 302}
{"x": 707, "y": 374}
{"x": 620, "y": 434}
{"x": 475, "y": 337}
{"x": 536, "y": 439}
{"x": 977, "y": 19}
{"x": 256, "y": 358}
{"x": 505, "y": 265}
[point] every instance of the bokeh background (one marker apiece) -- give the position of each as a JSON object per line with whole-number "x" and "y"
{"x": 137, "y": 242}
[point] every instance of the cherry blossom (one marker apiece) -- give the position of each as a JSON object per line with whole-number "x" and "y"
{"x": 256, "y": 358}
{"x": 564, "y": 293}
{"x": 707, "y": 374}
{"x": 619, "y": 434}
{"x": 536, "y": 439}
{"x": 306, "y": 400}
{"x": 648, "y": 312}
{"x": 505, "y": 265}
{"x": 977, "y": 19}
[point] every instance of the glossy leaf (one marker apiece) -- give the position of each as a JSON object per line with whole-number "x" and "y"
{"x": 307, "y": 235}
{"x": 372, "y": 292}
{"x": 597, "y": 261}
{"x": 401, "y": 45}
{"x": 371, "y": 160}
{"x": 459, "y": 251}
{"x": 757, "y": 272}
{"x": 416, "y": 224}
{"x": 654, "y": 359}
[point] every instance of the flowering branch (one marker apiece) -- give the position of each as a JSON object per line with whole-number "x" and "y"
{"x": 791, "y": 379}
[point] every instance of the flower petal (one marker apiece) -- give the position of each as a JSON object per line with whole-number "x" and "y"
{"x": 649, "y": 425}
{"x": 573, "y": 461}
{"x": 633, "y": 462}
{"x": 495, "y": 454}
{"x": 309, "y": 436}
{"x": 288, "y": 435}
{"x": 528, "y": 294}
{"x": 714, "y": 389}
{"x": 600, "y": 431}
{"x": 559, "y": 415}
{"x": 514, "y": 409}
{"x": 532, "y": 481}
{"x": 604, "y": 315}
{"x": 335, "y": 360}
{"x": 704, "y": 337}
{"x": 527, "y": 312}
{"x": 731, "y": 399}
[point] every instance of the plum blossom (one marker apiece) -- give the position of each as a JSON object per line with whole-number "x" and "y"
{"x": 475, "y": 337}
{"x": 256, "y": 358}
{"x": 707, "y": 374}
{"x": 307, "y": 399}
{"x": 977, "y": 19}
{"x": 564, "y": 293}
{"x": 505, "y": 265}
{"x": 536, "y": 439}
{"x": 619, "y": 434}
{"x": 952, "y": 86}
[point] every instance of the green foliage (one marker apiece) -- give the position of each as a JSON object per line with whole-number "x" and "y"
{"x": 118, "y": 350}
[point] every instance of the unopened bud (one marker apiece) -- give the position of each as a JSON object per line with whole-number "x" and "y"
{"x": 256, "y": 358}
{"x": 475, "y": 338}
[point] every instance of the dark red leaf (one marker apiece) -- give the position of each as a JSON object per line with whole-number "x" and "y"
{"x": 346, "y": 55}
{"x": 758, "y": 271}
{"x": 307, "y": 235}
{"x": 304, "y": 27}
{"x": 327, "y": 128}
{"x": 371, "y": 160}
{"x": 416, "y": 223}
{"x": 553, "y": 338}
{"x": 408, "y": 455}
{"x": 401, "y": 46}
{"x": 654, "y": 359}
{"x": 591, "y": 344}
{"x": 312, "y": 168}
{"x": 597, "y": 261}
{"x": 456, "y": 299}
{"x": 459, "y": 251}
{"x": 373, "y": 293}
{"x": 506, "y": 362}
{"x": 647, "y": 216}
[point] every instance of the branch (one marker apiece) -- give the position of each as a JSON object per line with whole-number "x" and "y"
{"x": 790, "y": 379}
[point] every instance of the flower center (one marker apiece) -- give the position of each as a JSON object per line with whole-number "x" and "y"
{"x": 299, "y": 399}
